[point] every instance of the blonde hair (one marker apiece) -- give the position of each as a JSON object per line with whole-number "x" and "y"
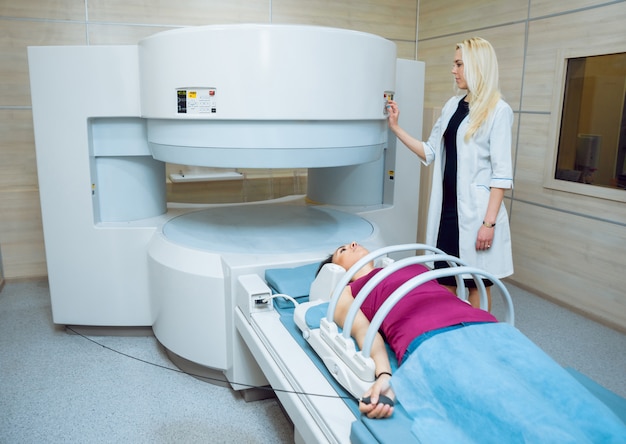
{"x": 481, "y": 74}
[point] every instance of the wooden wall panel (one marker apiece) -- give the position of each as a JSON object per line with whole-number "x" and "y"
{"x": 49, "y": 10}
{"x": 438, "y": 55}
{"x": 595, "y": 31}
{"x": 392, "y": 19}
{"x": 16, "y": 37}
{"x": 439, "y": 18}
{"x": 121, "y": 34}
{"x": 407, "y": 50}
{"x": 531, "y": 152}
{"x": 18, "y": 169}
{"x": 23, "y": 252}
{"x": 562, "y": 270}
{"x": 180, "y": 12}
{"x": 542, "y": 8}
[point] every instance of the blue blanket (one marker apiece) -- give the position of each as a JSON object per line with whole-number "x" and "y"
{"x": 489, "y": 383}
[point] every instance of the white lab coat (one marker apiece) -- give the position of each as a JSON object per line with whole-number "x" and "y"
{"x": 483, "y": 162}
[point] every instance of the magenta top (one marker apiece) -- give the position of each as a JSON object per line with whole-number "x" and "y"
{"x": 427, "y": 307}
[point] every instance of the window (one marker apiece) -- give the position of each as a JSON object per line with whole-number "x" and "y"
{"x": 203, "y": 185}
{"x": 592, "y": 137}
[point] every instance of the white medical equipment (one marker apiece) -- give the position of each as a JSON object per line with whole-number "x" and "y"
{"x": 107, "y": 118}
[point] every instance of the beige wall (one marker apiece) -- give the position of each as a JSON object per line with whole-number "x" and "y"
{"x": 566, "y": 246}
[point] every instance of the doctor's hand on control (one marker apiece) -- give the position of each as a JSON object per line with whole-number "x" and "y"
{"x": 393, "y": 114}
{"x": 378, "y": 401}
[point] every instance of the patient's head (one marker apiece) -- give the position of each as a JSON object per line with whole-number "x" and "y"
{"x": 346, "y": 256}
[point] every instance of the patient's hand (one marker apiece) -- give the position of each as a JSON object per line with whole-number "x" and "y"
{"x": 376, "y": 401}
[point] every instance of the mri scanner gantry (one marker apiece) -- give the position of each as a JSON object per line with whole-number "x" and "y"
{"x": 107, "y": 118}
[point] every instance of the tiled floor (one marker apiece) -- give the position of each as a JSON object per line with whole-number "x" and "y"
{"x": 57, "y": 387}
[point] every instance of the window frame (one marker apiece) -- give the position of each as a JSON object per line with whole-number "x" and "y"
{"x": 550, "y": 182}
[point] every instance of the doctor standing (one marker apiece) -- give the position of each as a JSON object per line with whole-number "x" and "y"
{"x": 470, "y": 146}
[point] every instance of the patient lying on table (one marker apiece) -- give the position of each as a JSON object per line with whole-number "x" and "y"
{"x": 463, "y": 376}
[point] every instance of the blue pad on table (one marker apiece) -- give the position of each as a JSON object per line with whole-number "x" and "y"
{"x": 295, "y": 282}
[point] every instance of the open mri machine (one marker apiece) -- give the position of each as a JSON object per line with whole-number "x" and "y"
{"x": 108, "y": 118}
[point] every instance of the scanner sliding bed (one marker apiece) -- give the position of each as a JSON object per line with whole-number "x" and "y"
{"x": 321, "y": 408}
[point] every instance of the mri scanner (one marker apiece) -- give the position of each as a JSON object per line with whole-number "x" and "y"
{"x": 108, "y": 118}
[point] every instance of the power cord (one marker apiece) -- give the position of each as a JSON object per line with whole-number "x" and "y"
{"x": 281, "y": 295}
{"x": 207, "y": 377}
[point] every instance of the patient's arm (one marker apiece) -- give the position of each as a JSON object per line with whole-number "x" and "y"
{"x": 379, "y": 355}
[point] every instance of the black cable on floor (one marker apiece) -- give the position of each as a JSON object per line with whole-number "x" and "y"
{"x": 223, "y": 381}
